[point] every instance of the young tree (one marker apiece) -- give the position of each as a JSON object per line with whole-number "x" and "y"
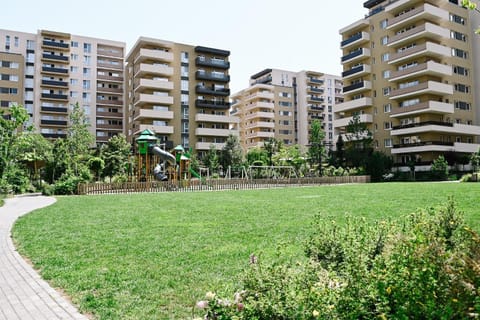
{"x": 33, "y": 150}
{"x": 211, "y": 159}
{"x": 360, "y": 142}
{"x": 231, "y": 154}
{"x": 317, "y": 148}
{"x": 115, "y": 154}
{"x": 271, "y": 146}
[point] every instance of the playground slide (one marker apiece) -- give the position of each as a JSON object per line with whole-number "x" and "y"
{"x": 195, "y": 174}
{"x": 166, "y": 156}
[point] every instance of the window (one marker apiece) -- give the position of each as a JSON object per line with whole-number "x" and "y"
{"x": 459, "y": 53}
{"x": 384, "y": 24}
{"x": 86, "y": 72}
{"x": 386, "y": 91}
{"x": 385, "y": 40}
{"x": 15, "y": 43}
{"x": 184, "y": 84}
{"x": 74, "y": 57}
{"x": 86, "y": 60}
{"x": 86, "y": 97}
{"x": 458, "y": 36}
{"x": 74, "y": 44}
{"x": 388, "y": 143}
{"x": 73, "y": 94}
{"x": 462, "y": 88}
{"x": 387, "y": 125}
{"x": 385, "y": 57}
{"x": 184, "y": 71}
{"x": 408, "y": 103}
{"x": 87, "y": 47}
{"x": 285, "y": 103}
{"x": 73, "y": 69}
{"x": 73, "y": 82}
{"x": 30, "y": 45}
{"x": 457, "y": 19}
{"x": 460, "y": 71}
{"x": 184, "y": 57}
{"x": 387, "y": 108}
{"x": 86, "y": 84}
{"x": 462, "y": 105}
{"x": 285, "y": 94}
{"x": 386, "y": 74}
{"x": 184, "y": 99}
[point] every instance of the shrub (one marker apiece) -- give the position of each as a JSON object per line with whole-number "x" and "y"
{"x": 16, "y": 179}
{"x": 67, "y": 184}
{"x": 425, "y": 266}
{"x": 439, "y": 169}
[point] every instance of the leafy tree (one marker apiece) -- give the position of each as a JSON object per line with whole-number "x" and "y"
{"x": 378, "y": 164}
{"x": 96, "y": 164}
{"x": 271, "y": 147}
{"x": 291, "y": 156}
{"x": 11, "y": 125}
{"x": 211, "y": 159}
{"x": 33, "y": 150}
{"x": 317, "y": 148}
{"x": 360, "y": 142}
{"x": 439, "y": 168}
{"x": 475, "y": 160}
{"x": 79, "y": 139}
{"x": 231, "y": 154}
{"x": 340, "y": 152}
{"x": 257, "y": 156}
{"x": 115, "y": 155}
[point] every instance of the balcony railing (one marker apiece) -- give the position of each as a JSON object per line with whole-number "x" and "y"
{"x": 201, "y": 103}
{"x": 54, "y": 135}
{"x": 54, "y": 96}
{"x": 422, "y": 124}
{"x": 423, "y": 143}
{"x": 54, "y": 109}
{"x": 213, "y": 92}
{"x": 54, "y": 122}
{"x": 55, "y": 44}
{"x": 353, "y": 71}
{"x": 354, "y": 87}
{"x": 353, "y": 38}
{"x": 202, "y": 75}
{"x": 55, "y": 70}
{"x": 222, "y": 64}
{"x": 55, "y": 83}
{"x": 54, "y": 57}
{"x": 352, "y": 55}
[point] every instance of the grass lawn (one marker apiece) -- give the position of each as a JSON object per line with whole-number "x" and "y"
{"x": 152, "y": 256}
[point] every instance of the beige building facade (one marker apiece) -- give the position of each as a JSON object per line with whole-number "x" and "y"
{"x": 282, "y": 104}
{"x": 180, "y": 92}
{"x": 410, "y": 76}
{"x": 60, "y": 70}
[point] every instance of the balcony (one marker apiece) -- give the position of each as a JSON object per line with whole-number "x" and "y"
{"x": 429, "y": 87}
{"x": 356, "y": 39}
{"x": 55, "y": 44}
{"x": 144, "y": 98}
{"x": 435, "y": 126}
{"x": 153, "y": 114}
{"x": 53, "y": 135}
{"x": 428, "y": 49}
{"x": 260, "y": 124}
{"x": 430, "y": 68}
{"x": 261, "y": 95}
{"x": 110, "y": 78}
{"x": 212, "y": 76}
{"x": 424, "y": 146}
{"x": 211, "y": 91}
{"x": 143, "y": 84}
{"x": 260, "y": 134}
{"x": 156, "y": 129}
{"x": 259, "y": 105}
{"x": 315, "y": 99}
{"x": 260, "y": 115}
{"x": 315, "y": 108}
{"x": 110, "y": 102}
{"x": 434, "y": 107}
{"x": 466, "y": 147}
{"x": 360, "y": 24}
{"x": 353, "y": 104}
{"x": 213, "y": 132}
{"x": 206, "y": 145}
{"x": 150, "y": 69}
{"x": 61, "y": 123}
{"x": 55, "y": 70}
{"x": 53, "y": 57}
{"x": 426, "y": 12}
{"x": 54, "y": 109}
{"x": 103, "y": 114}
{"x": 52, "y": 96}
{"x": 425, "y": 31}
{"x": 214, "y": 63}
{"x": 357, "y": 55}
{"x": 316, "y": 90}
{"x": 155, "y": 55}
{"x": 202, "y": 103}
{"x": 110, "y": 90}
{"x": 117, "y": 127}
{"x": 357, "y": 71}
{"x": 316, "y": 80}
{"x": 205, "y": 117}
{"x": 357, "y": 87}
{"x": 54, "y": 83}
{"x": 110, "y": 65}
{"x": 343, "y": 122}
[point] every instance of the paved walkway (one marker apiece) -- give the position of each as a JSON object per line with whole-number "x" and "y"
{"x": 23, "y": 294}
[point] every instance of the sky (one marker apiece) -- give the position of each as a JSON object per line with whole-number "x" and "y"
{"x": 284, "y": 34}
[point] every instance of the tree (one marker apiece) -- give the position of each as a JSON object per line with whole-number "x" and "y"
{"x": 475, "y": 160}
{"x": 115, "y": 155}
{"x": 340, "y": 152}
{"x": 472, "y": 6}
{"x": 257, "y": 156}
{"x": 439, "y": 169}
{"x": 10, "y": 128}
{"x": 79, "y": 139}
{"x": 211, "y": 159}
{"x": 317, "y": 148}
{"x": 33, "y": 150}
{"x": 271, "y": 146}
{"x": 360, "y": 142}
{"x": 378, "y": 164}
{"x": 231, "y": 154}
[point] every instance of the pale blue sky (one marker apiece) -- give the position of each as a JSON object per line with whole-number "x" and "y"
{"x": 285, "y": 34}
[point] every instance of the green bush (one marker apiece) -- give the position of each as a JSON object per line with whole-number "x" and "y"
{"x": 16, "y": 180}
{"x": 425, "y": 266}
{"x": 67, "y": 184}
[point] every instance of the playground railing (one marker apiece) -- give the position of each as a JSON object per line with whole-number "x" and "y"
{"x": 211, "y": 184}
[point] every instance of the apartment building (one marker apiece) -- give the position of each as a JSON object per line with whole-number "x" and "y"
{"x": 180, "y": 92}
{"x": 282, "y": 104}
{"x": 56, "y": 70}
{"x": 11, "y": 79}
{"x": 409, "y": 75}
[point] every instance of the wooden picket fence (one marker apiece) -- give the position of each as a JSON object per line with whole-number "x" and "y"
{"x": 212, "y": 185}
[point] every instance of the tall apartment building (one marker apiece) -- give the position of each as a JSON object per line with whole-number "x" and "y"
{"x": 282, "y": 105}
{"x": 409, "y": 74}
{"x": 179, "y": 91}
{"x": 53, "y": 70}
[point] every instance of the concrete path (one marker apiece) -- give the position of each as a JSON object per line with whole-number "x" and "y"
{"x": 23, "y": 294}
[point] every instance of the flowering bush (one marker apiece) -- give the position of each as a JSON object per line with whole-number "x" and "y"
{"x": 426, "y": 266}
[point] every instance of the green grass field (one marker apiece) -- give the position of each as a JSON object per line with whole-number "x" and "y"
{"x": 152, "y": 256}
